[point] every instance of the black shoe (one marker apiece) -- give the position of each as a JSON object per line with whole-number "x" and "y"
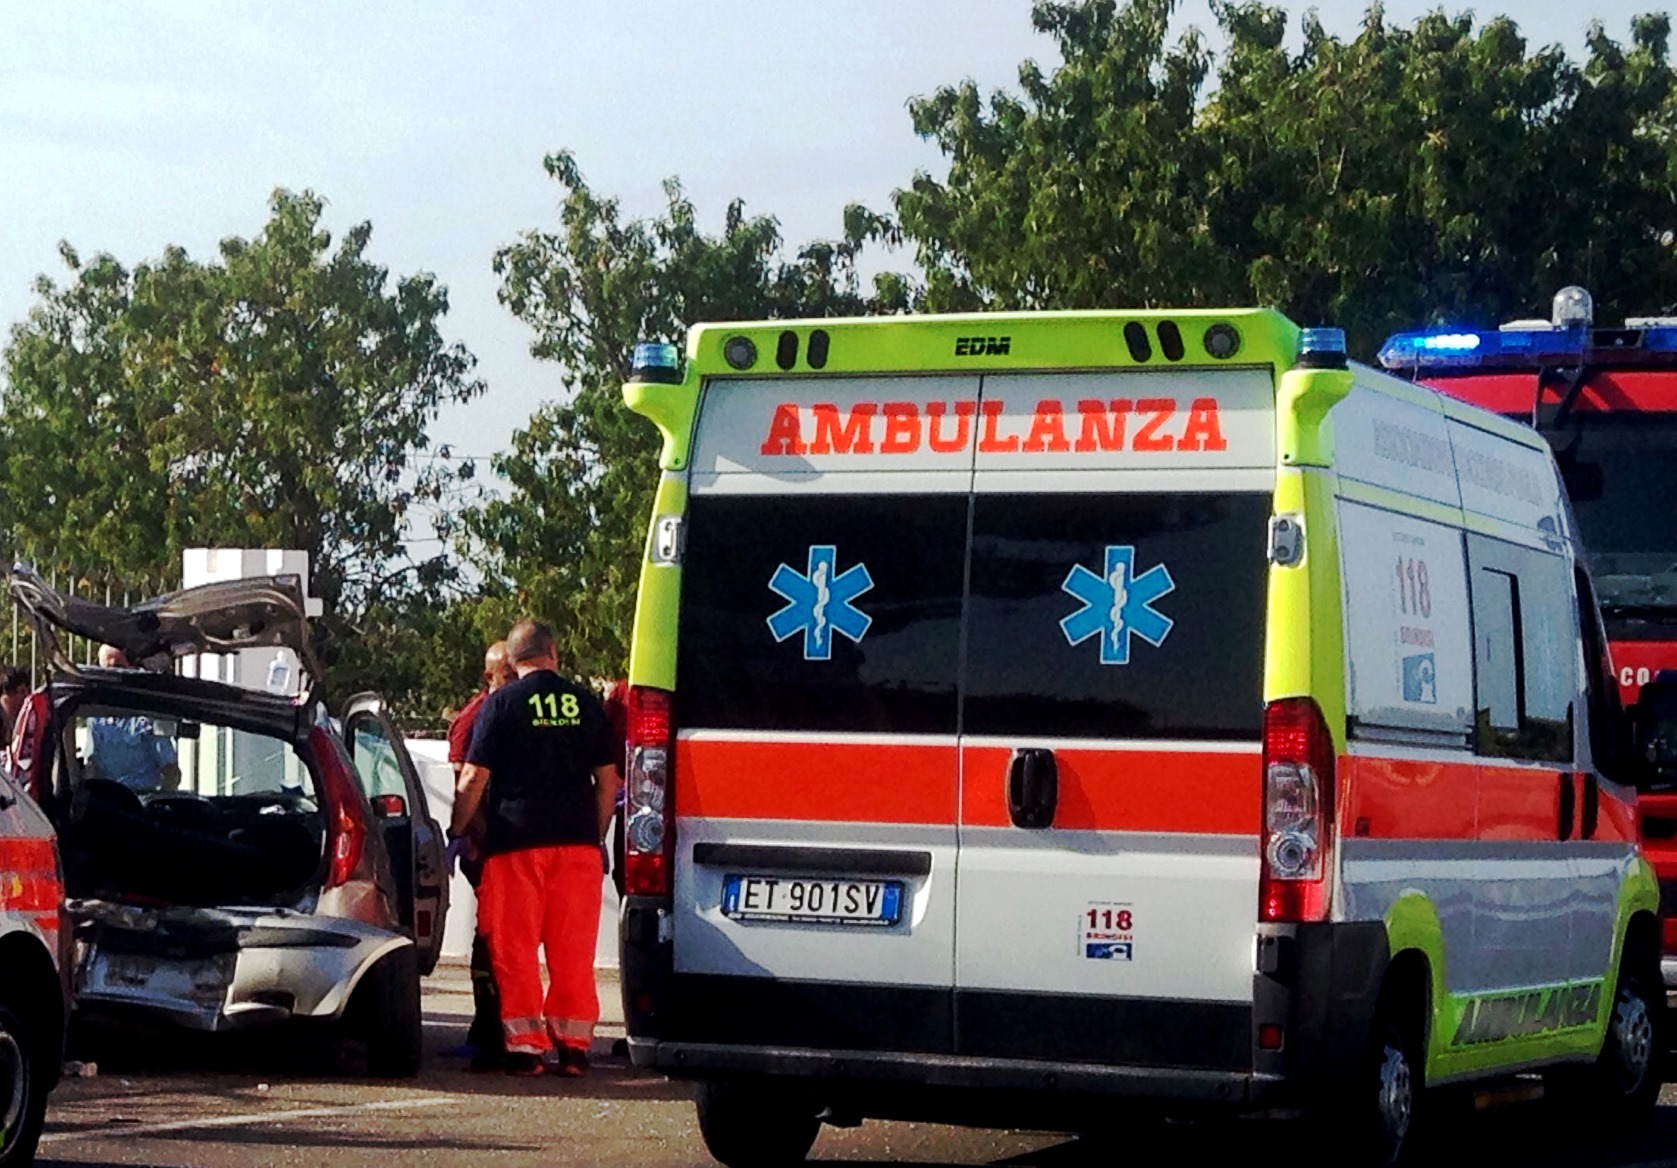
{"x": 573, "y": 1062}
{"x": 485, "y": 1061}
{"x": 523, "y": 1064}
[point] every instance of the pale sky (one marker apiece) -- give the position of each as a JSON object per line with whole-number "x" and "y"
{"x": 126, "y": 126}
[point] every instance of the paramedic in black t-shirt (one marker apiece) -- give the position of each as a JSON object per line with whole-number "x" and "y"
{"x": 543, "y": 765}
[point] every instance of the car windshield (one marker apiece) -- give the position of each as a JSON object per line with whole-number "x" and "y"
{"x": 1621, "y": 473}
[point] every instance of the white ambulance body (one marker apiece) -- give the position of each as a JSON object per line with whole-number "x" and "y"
{"x": 1060, "y": 720}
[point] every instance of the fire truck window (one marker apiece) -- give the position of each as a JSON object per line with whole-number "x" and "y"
{"x": 1624, "y": 513}
{"x": 821, "y": 612}
{"x": 1116, "y": 616}
{"x": 1525, "y": 650}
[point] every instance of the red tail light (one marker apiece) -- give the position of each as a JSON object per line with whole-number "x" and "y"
{"x": 1296, "y": 877}
{"x": 346, "y": 824}
{"x": 32, "y": 883}
{"x": 648, "y": 807}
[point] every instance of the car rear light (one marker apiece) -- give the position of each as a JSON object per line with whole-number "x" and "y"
{"x": 1296, "y": 869}
{"x": 33, "y": 883}
{"x": 648, "y": 810}
{"x": 346, "y": 823}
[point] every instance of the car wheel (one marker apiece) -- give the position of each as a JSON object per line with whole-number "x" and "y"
{"x": 755, "y": 1124}
{"x": 23, "y": 1090}
{"x": 388, "y": 1016}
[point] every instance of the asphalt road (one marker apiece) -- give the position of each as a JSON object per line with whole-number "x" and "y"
{"x": 292, "y": 1099}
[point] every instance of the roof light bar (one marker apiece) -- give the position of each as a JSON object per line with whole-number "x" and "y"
{"x": 1516, "y": 348}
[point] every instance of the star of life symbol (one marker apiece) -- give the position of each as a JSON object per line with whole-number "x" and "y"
{"x": 1118, "y": 605}
{"x": 820, "y": 602}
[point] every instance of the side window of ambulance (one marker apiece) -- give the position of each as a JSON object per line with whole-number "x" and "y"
{"x": 1525, "y": 652}
{"x": 1609, "y": 750}
{"x": 1407, "y": 626}
{"x": 821, "y": 612}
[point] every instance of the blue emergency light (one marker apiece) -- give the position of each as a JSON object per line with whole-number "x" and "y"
{"x": 1321, "y": 348}
{"x": 656, "y": 361}
{"x": 1517, "y": 348}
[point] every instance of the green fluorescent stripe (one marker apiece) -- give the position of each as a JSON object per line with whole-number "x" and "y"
{"x": 1397, "y": 501}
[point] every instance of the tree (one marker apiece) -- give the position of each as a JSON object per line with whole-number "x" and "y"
{"x": 568, "y": 536}
{"x": 1435, "y": 172}
{"x": 277, "y": 396}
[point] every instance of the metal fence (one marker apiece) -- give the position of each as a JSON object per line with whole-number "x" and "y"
{"x": 102, "y": 585}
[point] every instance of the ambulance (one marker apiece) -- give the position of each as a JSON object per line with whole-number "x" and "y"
{"x": 1032, "y": 714}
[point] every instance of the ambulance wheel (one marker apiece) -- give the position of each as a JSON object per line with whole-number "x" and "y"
{"x": 1378, "y": 1121}
{"x": 755, "y": 1124}
{"x": 1626, "y": 1077}
{"x": 23, "y": 1089}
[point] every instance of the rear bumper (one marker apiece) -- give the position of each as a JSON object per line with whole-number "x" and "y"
{"x": 214, "y": 969}
{"x": 1316, "y": 990}
{"x": 851, "y": 1069}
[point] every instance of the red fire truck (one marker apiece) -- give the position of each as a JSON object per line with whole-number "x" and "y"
{"x": 1606, "y": 398}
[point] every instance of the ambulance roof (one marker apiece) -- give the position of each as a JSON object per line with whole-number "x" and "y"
{"x": 993, "y": 342}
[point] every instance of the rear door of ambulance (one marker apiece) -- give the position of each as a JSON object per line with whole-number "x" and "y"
{"x": 816, "y": 757}
{"x": 1111, "y": 714}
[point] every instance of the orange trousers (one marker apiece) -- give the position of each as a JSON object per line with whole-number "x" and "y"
{"x": 547, "y": 897}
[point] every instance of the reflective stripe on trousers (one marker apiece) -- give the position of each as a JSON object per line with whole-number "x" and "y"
{"x": 525, "y": 1034}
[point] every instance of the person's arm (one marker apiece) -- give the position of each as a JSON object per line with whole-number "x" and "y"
{"x": 606, "y": 782}
{"x": 468, "y": 797}
{"x": 478, "y": 760}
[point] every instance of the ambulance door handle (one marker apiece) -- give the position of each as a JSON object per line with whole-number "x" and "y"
{"x": 1033, "y": 787}
{"x": 1568, "y": 803}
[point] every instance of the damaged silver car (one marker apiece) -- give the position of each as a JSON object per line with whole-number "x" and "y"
{"x": 231, "y": 856}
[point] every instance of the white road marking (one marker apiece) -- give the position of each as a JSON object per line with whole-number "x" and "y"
{"x": 129, "y": 1130}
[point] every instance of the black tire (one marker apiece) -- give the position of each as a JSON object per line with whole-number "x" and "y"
{"x": 25, "y": 1072}
{"x": 388, "y": 1016}
{"x": 756, "y": 1124}
{"x": 1625, "y": 1079}
{"x": 1378, "y": 1122}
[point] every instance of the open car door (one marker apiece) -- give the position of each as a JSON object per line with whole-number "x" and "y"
{"x": 412, "y": 838}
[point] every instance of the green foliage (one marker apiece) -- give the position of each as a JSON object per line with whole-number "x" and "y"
{"x": 1435, "y": 172}
{"x": 568, "y": 536}
{"x": 422, "y": 654}
{"x": 274, "y": 397}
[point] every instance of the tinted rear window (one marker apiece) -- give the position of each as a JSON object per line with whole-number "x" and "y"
{"x": 1069, "y": 592}
{"x": 897, "y": 676}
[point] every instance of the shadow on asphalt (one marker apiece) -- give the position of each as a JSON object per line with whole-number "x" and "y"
{"x": 300, "y": 1051}
{"x": 1528, "y": 1135}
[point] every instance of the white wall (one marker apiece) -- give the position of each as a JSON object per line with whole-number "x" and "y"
{"x": 430, "y": 755}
